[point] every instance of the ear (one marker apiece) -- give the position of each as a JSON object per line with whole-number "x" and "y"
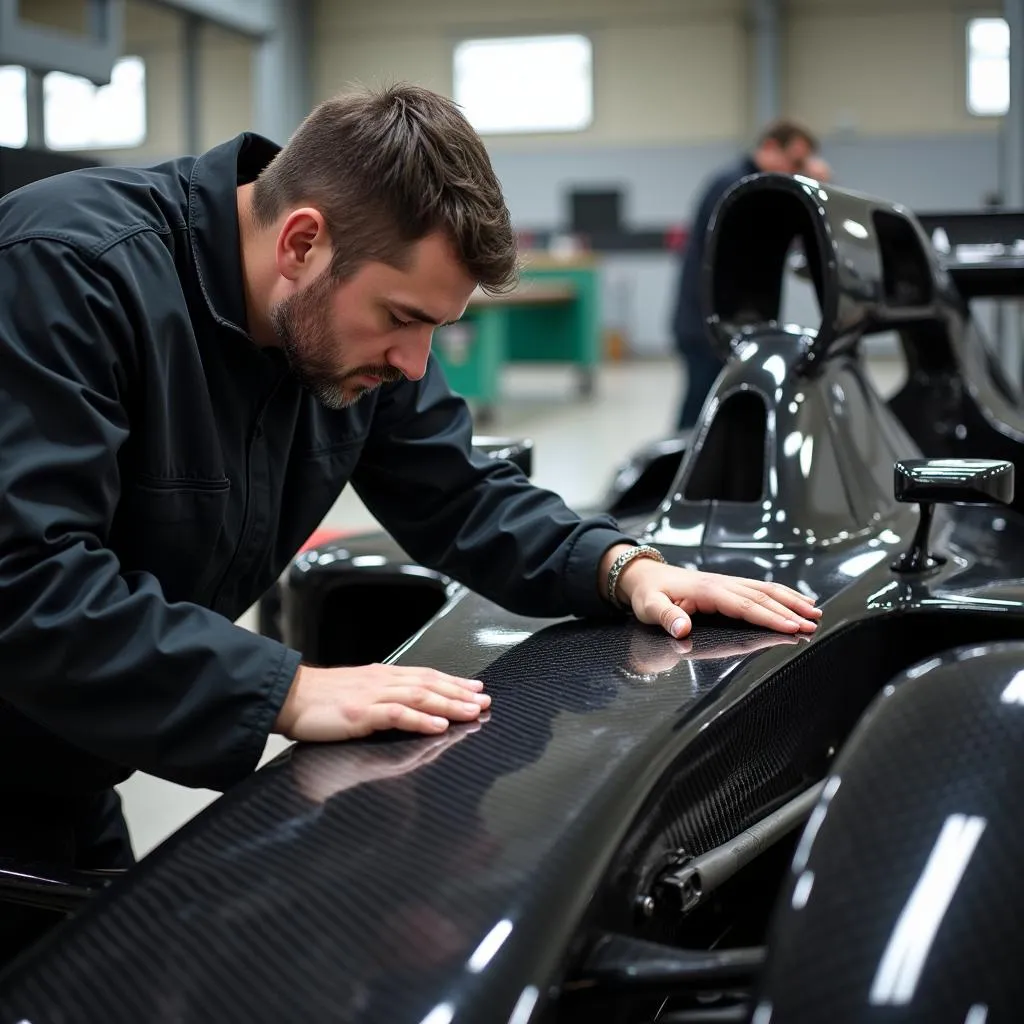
{"x": 303, "y": 244}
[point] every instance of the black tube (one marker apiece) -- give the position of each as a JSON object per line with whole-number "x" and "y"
{"x": 704, "y": 874}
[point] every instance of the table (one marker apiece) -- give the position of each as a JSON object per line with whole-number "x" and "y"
{"x": 553, "y": 315}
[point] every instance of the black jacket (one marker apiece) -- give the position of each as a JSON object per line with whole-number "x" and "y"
{"x": 158, "y": 471}
{"x": 688, "y": 315}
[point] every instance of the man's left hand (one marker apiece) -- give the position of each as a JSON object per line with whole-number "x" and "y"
{"x": 668, "y": 596}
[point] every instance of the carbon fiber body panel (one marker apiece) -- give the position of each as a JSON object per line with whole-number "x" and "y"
{"x": 920, "y": 822}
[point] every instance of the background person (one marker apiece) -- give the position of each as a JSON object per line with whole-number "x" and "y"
{"x": 783, "y": 147}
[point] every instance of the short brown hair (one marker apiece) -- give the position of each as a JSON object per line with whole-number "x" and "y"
{"x": 784, "y": 131}
{"x": 386, "y": 168}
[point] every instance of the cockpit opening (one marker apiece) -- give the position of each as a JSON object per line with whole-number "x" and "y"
{"x": 756, "y": 238}
{"x": 730, "y": 465}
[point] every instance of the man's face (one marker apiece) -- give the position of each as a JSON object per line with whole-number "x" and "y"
{"x": 374, "y": 327}
{"x": 789, "y": 159}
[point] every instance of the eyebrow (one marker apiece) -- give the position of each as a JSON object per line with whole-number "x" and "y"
{"x": 418, "y": 314}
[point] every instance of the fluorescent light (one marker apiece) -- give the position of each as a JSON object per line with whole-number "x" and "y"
{"x": 903, "y": 960}
{"x": 492, "y": 942}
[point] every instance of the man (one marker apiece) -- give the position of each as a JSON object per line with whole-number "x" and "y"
{"x": 783, "y": 147}
{"x": 195, "y": 359}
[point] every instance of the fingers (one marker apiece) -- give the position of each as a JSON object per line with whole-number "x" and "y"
{"x": 659, "y": 608}
{"x": 423, "y": 698}
{"x": 411, "y": 709}
{"x": 446, "y": 686}
{"x": 426, "y": 676}
{"x": 379, "y": 717}
{"x": 761, "y": 609}
{"x": 771, "y": 605}
{"x": 792, "y": 599}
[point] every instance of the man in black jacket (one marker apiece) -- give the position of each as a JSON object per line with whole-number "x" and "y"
{"x": 783, "y": 147}
{"x": 195, "y": 359}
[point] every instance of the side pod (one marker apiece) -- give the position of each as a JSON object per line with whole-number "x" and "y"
{"x": 905, "y": 894}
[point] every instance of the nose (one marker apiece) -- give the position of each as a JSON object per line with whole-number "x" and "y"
{"x": 410, "y": 356}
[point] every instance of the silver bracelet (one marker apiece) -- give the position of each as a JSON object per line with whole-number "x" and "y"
{"x": 620, "y": 563}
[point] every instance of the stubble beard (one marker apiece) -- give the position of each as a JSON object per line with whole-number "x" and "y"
{"x": 300, "y": 323}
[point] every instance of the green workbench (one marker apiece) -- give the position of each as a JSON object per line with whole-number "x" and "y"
{"x": 554, "y": 315}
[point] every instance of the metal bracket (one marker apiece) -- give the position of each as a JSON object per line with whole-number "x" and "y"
{"x": 43, "y": 49}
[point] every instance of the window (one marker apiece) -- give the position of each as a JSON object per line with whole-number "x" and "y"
{"x": 528, "y": 84}
{"x": 13, "y": 107}
{"x": 81, "y": 115}
{"x": 988, "y": 66}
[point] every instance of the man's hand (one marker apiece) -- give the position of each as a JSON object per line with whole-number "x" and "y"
{"x": 328, "y": 704}
{"x": 668, "y": 595}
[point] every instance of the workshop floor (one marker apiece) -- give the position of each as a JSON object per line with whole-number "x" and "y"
{"x": 577, "y": 443}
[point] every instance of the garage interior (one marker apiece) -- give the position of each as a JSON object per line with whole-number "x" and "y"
{"x": 910, "y": 99}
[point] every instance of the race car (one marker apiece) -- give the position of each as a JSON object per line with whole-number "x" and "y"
{"x": 738, "y": 826}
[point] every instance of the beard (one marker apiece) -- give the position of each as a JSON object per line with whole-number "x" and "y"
{"x": 301, "y": 325}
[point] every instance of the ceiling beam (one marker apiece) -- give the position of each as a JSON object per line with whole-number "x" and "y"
{"x": 42, "y": 49}
{"x": 249, "y": 17}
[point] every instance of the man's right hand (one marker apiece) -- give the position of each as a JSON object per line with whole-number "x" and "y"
{"x": 329, "y": 704}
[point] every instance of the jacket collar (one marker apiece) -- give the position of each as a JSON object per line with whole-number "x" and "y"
{"x": 213, "y": 221}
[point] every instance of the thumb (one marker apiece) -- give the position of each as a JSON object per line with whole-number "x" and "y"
{"x": 660, "y": 609}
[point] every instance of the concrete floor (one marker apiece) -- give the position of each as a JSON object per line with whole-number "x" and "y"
{"x": 577, "y": 444}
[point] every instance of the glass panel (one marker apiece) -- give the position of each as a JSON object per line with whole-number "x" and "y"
{"x": 529, "y": 84}
{"x": 13, "y": 107}
{"x": 988, "y": 66}
{"x": 80, "y": 115}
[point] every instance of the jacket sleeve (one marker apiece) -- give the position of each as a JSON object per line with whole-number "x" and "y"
{"x": 477, "y": 519}
{"x": 92, "y": 654}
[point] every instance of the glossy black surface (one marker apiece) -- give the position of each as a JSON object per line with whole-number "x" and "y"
{"x": 640, "y": 483}
{"x": 785, "y": 466}
{"x": 481, "y": 876}
{"x": 518, "y": 450}
{"x": 904, "y": 899}
{"x": 872, "y": 266}
{"x": 958, "y": 481}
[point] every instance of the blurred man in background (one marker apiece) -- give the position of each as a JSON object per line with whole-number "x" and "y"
{"x": 784, "y": 147}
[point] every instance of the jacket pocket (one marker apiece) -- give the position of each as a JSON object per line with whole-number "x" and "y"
{"x": 175, "y": 530}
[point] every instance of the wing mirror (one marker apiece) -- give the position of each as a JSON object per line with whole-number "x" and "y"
{"x": 952, "y": 482}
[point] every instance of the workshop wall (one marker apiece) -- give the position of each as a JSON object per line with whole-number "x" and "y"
{"x": 225, "y": 70}
{"x": 881, "y": 67}
{"x": 666, "y": 71}
{"x": 882, "y": 81}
